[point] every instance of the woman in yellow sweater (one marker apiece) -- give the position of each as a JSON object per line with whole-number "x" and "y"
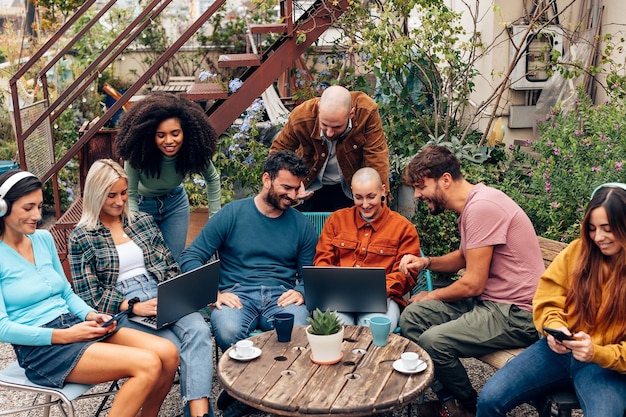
{"x": 582, "y": 295}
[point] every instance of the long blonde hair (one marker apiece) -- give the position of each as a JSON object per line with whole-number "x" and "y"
{"x": 102, "y": 175}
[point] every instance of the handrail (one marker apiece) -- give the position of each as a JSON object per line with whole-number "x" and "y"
{"x": 79, "y": 84}
{"x": 102, "y": 61}
{"x": 136, "y": 86}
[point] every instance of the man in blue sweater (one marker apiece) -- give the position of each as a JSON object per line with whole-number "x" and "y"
{"x": 263, "y": 243}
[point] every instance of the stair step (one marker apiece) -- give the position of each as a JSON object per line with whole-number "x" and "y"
{"x": 206, "y": 91}
{"x": 239, "y": 60}
{"x": 268, "y": 28}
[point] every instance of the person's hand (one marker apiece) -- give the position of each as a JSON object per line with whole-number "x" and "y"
{"x": 581, "y": 348}
{"x": 411, "y": 263}
{"x": 229, "y": 300}
{"x": 303, "y": 194}
{"x": 420, "y": 296}
{"x": 290, "y": 297}
{"x": 86, "y": 330}
{"x": 146, "y": 308}
{"x": 99, "y": 318}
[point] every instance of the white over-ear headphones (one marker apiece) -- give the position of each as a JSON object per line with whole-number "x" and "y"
{"x": 6, "y": 187}
{"x": 609, "y": 184}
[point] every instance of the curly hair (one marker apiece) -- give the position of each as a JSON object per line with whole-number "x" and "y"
{"x": 136, "y": 144}
{"x": 288, "y": 160}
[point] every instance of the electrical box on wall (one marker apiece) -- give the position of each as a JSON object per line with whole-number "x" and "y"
{"x": 531, "y": 71}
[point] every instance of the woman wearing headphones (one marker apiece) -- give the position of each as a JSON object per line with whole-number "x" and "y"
{"x": 56, "y": 336}
{"x": 581, "y": 294}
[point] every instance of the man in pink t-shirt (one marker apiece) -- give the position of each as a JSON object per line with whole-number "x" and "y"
{"x": 489, "y": 307}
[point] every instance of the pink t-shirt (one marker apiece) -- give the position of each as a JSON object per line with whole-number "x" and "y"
{"x": 491, "y": 218}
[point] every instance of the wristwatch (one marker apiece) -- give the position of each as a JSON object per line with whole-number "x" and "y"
{"x": 131, "y": 304}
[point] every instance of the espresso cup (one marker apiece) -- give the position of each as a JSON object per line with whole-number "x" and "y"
{"x": 410, "y": 360}
{"x": 244, "y": 348}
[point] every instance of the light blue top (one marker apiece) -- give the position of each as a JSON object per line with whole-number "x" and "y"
{"x": 140, "y": 183}
{"x": 254, "y": 249}
{"x": 33, "y": 295}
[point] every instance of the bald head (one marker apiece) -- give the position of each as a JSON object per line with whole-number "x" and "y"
{"x": 367, "y": 175}
{"x": 336, "y": 99}
{"x": 335, "y": 111}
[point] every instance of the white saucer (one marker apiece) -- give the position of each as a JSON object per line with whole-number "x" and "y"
{"x": 397, "y": 365}
{"x": 256, "y": 352}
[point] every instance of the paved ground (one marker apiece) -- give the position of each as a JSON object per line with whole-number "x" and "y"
{"x": 478, "y": 371}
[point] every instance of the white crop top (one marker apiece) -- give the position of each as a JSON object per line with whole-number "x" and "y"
{"x": 131, "y": 260}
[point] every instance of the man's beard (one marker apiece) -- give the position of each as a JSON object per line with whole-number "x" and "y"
{"x": 274, "y": 200}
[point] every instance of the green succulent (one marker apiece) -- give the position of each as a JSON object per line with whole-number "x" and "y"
{"x": 324, "y": 323}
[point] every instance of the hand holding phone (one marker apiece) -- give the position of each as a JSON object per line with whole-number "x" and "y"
{"x": 115, "y": 318}
{"x": 558, "y": 335}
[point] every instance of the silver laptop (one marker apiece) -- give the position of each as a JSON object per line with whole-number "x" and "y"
{"x": 184, "y": 294}
{"x": 345, "y": 289}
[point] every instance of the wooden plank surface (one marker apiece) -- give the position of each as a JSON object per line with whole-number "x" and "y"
{"x": 284, "y": 381}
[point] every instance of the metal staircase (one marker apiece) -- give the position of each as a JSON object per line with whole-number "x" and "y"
{"x": 261, "y": 71}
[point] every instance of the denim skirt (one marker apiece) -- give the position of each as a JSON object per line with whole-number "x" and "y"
{"x": 51, "y": 364}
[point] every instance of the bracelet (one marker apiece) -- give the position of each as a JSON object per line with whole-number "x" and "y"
{"x": 428, "y": 262}
{"x": 131, "y": 304}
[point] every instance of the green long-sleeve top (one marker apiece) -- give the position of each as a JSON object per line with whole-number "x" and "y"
{"x": 141, "y": 183}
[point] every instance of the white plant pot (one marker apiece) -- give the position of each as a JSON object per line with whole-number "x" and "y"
{"x": 325, "y": 349}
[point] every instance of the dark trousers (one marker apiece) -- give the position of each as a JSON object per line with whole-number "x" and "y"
{"x": 328, "y": 198}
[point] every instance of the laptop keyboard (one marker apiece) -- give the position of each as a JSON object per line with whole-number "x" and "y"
{"x": 150, "y": 320}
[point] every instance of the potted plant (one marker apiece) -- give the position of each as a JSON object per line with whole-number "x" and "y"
{"x": 325, "y": 336}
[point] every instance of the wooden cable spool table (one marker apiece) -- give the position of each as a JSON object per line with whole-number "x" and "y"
{"x": 284, "y": 381}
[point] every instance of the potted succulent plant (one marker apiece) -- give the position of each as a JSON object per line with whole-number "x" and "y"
{"x": 325, "y": 336}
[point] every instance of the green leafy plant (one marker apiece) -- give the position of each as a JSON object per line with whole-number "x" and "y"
{"x": 324, "y": 323}
{"x": 577, "y": 151}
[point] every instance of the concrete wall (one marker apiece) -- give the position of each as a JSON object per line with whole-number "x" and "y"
{"x": 495, "y": 19}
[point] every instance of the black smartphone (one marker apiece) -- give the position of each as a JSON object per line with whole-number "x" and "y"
{"x": 114, "y": 318}
{"x": 558, "y": 335}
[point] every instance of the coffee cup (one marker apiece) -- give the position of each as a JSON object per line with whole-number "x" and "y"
{"x": 380, "y": 327}
{"x": 410, "y": 360}
{"x": 244, "y": 348}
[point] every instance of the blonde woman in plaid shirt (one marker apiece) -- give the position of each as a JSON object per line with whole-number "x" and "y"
{"x": 118, "y": 257}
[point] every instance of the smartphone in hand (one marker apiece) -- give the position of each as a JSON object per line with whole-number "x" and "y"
{"x": 114, "y": 318}
{"x": 558, "y": 335}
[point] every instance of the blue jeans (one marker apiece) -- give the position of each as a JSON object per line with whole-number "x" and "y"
{"x": 538, "y": 369}
{"x": 171, "y": 213}
{"x": 362, "y": 319}
{"x": 260, "y": 304}
{"x": 191, "y": 335}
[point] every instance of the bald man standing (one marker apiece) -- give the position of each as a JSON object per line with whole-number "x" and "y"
{"x": 336, "y": 135}
{"x": 370, "y": 235}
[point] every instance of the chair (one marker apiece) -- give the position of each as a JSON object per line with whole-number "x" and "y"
{"x": 13, "y": 377}
{"x": 318, "y": 219}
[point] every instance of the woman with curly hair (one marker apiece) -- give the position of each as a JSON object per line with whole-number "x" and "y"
{"x": 164, "y": 138}
{"x": 581, "y": 294}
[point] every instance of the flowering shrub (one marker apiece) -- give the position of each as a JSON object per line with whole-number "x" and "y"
{"x": 578, "y": 151}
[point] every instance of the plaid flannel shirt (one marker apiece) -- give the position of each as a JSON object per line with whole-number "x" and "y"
{"x": 94, "y": 262}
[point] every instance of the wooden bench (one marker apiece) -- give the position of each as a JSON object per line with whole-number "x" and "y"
{"x": 561, "y": 403}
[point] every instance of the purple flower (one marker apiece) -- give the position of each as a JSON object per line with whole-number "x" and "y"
{"x": 618, "y": 166}
{"x": 603, "y": 138}
{"x": 556, "y": 151}
{"x": 199, "y": 181}
{"x": 234, "y": 84}
{"x": 578, "y": 132}
{"x": 555, "y": 204}
{"x": 594, "y": 169}
{"x": 548, "y": 186}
